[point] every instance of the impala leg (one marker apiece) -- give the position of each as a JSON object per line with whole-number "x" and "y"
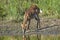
{"x": 38, "y": 21}
{"x": 24, "y": 24}
{"x": 38, "y": 24}
{"x": 28, "y": 24}
{"x": 27, "y": 29}
{"x": 23, "y": 28}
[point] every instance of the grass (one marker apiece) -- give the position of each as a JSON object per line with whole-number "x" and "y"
{"x": 43, "y": 37}
{"x": 14, "y": 9}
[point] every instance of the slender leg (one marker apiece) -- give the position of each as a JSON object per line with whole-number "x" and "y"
{"x": 28, "y": 24}
{"x": 38, "y": 24}
{"x": 38, "y": 21}
{"x": 24, "y": 24}
{"x": 23, "y": 28}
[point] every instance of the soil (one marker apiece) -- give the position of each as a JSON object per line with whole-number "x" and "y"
{"x": 48, "y": 26}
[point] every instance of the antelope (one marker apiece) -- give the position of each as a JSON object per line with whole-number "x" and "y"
{"x": 32, "y": 12}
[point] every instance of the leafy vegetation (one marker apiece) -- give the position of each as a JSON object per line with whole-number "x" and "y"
{"x": 14, "y": 9}
{"x": 31, "y": 37}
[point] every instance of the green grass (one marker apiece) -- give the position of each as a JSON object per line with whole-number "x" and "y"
{"x": 14, "y": 9}
{"x": 43, "y": 37}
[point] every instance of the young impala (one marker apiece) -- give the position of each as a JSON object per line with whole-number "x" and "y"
{"x": 32, "y": 12}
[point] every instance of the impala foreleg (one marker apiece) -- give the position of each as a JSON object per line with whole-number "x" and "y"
{"x": 38, "y": 21}
{"x": 23, "y": 28}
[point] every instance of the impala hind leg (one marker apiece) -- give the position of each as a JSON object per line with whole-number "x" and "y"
{"x": 23, "y": 28}
{"x": 27, "y": 29}
{"x": 28, "y": 24}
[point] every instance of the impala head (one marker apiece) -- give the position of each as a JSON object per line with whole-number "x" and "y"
{"x": 36, "y": 8}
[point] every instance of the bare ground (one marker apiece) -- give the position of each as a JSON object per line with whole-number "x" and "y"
{"x": 48, "y": 26}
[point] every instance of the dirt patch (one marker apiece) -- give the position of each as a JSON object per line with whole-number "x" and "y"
{"x": 15, "y": 28}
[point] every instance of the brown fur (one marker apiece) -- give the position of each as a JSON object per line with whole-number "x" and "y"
{"x": 30, "y": 13}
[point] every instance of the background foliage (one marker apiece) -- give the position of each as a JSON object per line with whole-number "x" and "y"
{"x": 14, "y": 9}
